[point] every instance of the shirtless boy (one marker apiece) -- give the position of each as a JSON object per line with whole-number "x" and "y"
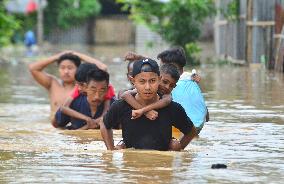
{"x": 60, "y": 89}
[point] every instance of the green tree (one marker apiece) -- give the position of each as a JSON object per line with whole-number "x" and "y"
{"x": 66, "y": 13}
{"x": 177, "y": 21}
{"x": 8, "y": 25}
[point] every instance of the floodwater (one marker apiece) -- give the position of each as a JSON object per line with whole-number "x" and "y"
{"x": 245, "y": 132}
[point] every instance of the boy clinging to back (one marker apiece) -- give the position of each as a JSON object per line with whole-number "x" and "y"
{"x": 74, "y": 108}
{"x": 187, "y": 92}
{"x": 169, "y": 78}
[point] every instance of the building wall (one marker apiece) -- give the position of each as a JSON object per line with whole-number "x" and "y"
{"x": 75, "y": 35}
{"x": 114, "y": 30}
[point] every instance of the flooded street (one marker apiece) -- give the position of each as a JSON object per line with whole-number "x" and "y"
{"x": 245, "y": 132}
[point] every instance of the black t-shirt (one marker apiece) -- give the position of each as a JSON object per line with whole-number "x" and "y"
{"x": 142, "y": 133}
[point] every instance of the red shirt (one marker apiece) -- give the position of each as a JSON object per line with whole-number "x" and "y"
{"x": 109, "y": 95}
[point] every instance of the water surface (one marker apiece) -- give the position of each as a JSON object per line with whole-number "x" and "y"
{"x": 245, "y": 132}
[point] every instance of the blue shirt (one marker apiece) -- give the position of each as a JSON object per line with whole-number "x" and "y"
{"x": 80, "y": 104}
{"x": 188, "y": 94}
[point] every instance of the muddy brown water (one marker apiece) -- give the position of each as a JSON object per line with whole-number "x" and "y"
{"x": 246, "y": 132}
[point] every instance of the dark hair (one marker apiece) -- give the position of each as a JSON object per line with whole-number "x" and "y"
{"x": 171, "y": 70}
{"x": 73, "y": 58}
{"x": 82, "y": 71}
{"x": 174, "y": 55}
{"x": 128, "y": 66}
{"x": 97, "y": 75}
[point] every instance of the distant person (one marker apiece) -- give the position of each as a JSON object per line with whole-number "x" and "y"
{"x": 29, "y": 41}
{"x": 143, "y": 133}
{"x": 60, "y": 89}
{"x": 86, "y": 110}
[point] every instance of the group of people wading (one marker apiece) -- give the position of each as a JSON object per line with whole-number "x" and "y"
{"x": 160, "y": 97}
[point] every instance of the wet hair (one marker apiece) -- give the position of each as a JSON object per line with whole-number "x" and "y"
{"x": 174, "y": 55}
{"x": 97, "y": 75}
{"x": 171, "y": 70}
{"x": 73, "y": 58}
{"x": 82, "y": 71}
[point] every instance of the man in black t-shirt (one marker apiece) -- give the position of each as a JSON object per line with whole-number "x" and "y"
{"x": 142, "y": 133}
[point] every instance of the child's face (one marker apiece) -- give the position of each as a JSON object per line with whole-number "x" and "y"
{"x": 81, "y": 87}
{"x": 167, "y": 84}
{"x": 129, "y": 72}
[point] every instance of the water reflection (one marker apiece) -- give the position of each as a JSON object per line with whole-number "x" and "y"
{"x": 245, "y": 132}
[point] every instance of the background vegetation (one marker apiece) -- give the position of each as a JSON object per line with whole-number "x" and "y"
{"x": 177, "y": 21}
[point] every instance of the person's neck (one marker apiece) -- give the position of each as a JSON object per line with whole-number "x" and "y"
{"x": 144, "y": 102}
{"x": 68, "y": 84}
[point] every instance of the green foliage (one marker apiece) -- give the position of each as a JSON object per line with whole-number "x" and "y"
{"x": 8, "y": 25}
{"x": 232, "y": 11}
{"x": 191, "y": 50}
{"x": 66, "y": 13}
{"x": 27, "y": 22}
{"x": 177, "y": 21}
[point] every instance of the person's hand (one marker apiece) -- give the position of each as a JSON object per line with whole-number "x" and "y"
{"x": 96, "y": 123}
{"x": 175, "y": 145}
{"x": 196, "y": 78}
{"x": 137, "y": 113}
{"x": 131, "y": 56}
{"x": 93, "y": 123}
{"x": 120, "y": 145}
{"x": 152, "y": 115}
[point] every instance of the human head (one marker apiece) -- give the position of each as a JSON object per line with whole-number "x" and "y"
{"x": 129, "y": 70}
{"x": 68, "y": 64}
{"x": 97, "y": 85}
{"x": 81, "y": 75}
{"x": 146, "y": 78}
{"x": 175, "y": 56}
{"x": 169, "y": 78}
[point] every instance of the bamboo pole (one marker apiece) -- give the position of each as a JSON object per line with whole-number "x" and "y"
{"x": 261, "y": 23}
{"x": 279, "y": 41}
{"x": 249, "y": 32}
{"x": 39, "y": 23}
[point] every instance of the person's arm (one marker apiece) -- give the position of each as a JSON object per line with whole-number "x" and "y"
{"x": 110, "y": 120}
{"x": 90, "y": 123}
{"x": 106, "y": 107}
{"x": 60, "y": 120}
{"x": 165, "y": 101}
{"x": 185, "y": 139}
{"x": 107, "y": 135}
{"x": 183, "y": 123}
{"x": 36, "y": 69}
{"x": 72, "y": 113}
{"x": 89, "y": 59}
{"x": 132, "y": 56}
{"x": 129, "y": 98}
